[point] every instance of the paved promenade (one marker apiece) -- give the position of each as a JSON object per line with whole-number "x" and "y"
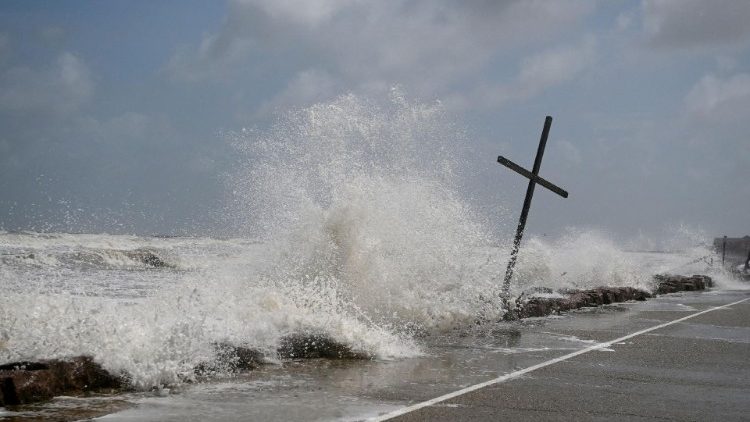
{"x": 668, "y": 365}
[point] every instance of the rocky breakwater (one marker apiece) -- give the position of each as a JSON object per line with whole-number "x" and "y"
{"x": 677, "y": 283}
{"x": 537, "y": 306}
{"x": 36, "y": 381}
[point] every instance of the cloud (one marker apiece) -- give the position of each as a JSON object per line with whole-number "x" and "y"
{"x": 4, "y": 47}
{"x": 130, "y": 126}
{"x": 61, "y": 88}
{"x": 537, "y": 73}
{"x": 553, "y": 67}
{"x": 308, "y": 86}
{"x": 429, "y": 47}
{"x": 311, "y": 12}
{"x": 52, "y": 35}
{"x": 696, "y": 23}
{"x": 253, "y": 29}
{"x": 713, "y": 95}
{"x": 570, "y": 153}
{"x": 209, "y": 60}
{"x": 624, "y": 21}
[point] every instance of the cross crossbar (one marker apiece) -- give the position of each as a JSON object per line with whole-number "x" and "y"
{"x": 529, "y": 175}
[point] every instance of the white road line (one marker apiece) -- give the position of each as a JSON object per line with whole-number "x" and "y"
{"x": 518, "y": 373}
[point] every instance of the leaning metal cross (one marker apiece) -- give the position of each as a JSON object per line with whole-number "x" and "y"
{"x": 534, "y": 178}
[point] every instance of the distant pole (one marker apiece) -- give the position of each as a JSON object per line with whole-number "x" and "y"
{"x": 747, "y": 261}
{"x": 723, "y": 250}
{"x": 534, "y": 178}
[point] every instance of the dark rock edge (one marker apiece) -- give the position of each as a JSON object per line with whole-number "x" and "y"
{"x": 30, "y": 382}
{"x": 526, "y": 307}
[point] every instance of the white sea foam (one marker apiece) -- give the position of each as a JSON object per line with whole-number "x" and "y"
{"x": 579, "y": 260}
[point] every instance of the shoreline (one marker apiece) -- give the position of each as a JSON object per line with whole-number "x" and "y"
{"x": 23, "y": 383}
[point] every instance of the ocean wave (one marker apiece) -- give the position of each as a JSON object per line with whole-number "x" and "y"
{"x": 141, "y": 258}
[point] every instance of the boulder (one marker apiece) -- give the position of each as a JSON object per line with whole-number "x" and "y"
{"x": 526, "y": 307}
{"x": 148, "y": 258}
{"x": 577, "y": 299}
{"x": 230, "y": 359}
{"x": 536, "y": 307}
{"x": 666, "y": 283}
{"x": 313, "y": 346}
{"x": 29, "y": 382}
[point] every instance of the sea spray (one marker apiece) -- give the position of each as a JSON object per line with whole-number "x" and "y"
{"x": 367, "y": 194}
{"x": 578, "y": 259}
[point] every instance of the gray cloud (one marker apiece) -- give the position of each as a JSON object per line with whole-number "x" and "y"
{"x": 536, "y": 73}
{"x": 650, "y": 102}
{"x": 307, "y": 86}
{"x": 52, "y": 35}
{"x": 713, "y": 96}
{"x": 67, "y": 162}
{"x": 309, "y": 13}
{"x": 61, "y": 88}
{"x": 426, "y": 45}
{"x": 696, "y": 23}
{"x": 4, "y": 47}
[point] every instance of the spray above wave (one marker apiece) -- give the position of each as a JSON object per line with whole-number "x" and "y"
{"x": 365, "y": 195}
{"x": 579, "y": 260}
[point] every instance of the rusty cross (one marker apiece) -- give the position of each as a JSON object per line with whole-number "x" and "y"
{"x": 534, "y": 178}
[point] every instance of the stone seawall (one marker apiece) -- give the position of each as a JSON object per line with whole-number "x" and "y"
{"x": 542, "y": 306}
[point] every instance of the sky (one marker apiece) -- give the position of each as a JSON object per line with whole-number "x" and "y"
{"x": 113, "y": 114}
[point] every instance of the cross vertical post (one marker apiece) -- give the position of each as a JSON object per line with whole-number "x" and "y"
{"x": 534, "y": 178}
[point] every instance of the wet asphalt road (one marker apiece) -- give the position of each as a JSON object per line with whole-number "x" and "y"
{"x": 695, "y": 370}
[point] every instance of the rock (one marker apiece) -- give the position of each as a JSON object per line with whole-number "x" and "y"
{"x": 149, "y": 258}
{"x": 578, "y": 300}
{"x": 231, "y": 359}
{"x": 29, "y": 382}
{"x": 675, "y": 283}
{"x": 239, "y": 358}
{"x": 537, "y": 290}
{"x": 537, "y": 307}
{"x": 707, "y": 281}
{"x": 313, "y": 346}
{"x": 596, "y": 297}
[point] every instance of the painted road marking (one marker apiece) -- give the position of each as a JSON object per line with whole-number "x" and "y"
{"x": 518, "y": 373}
